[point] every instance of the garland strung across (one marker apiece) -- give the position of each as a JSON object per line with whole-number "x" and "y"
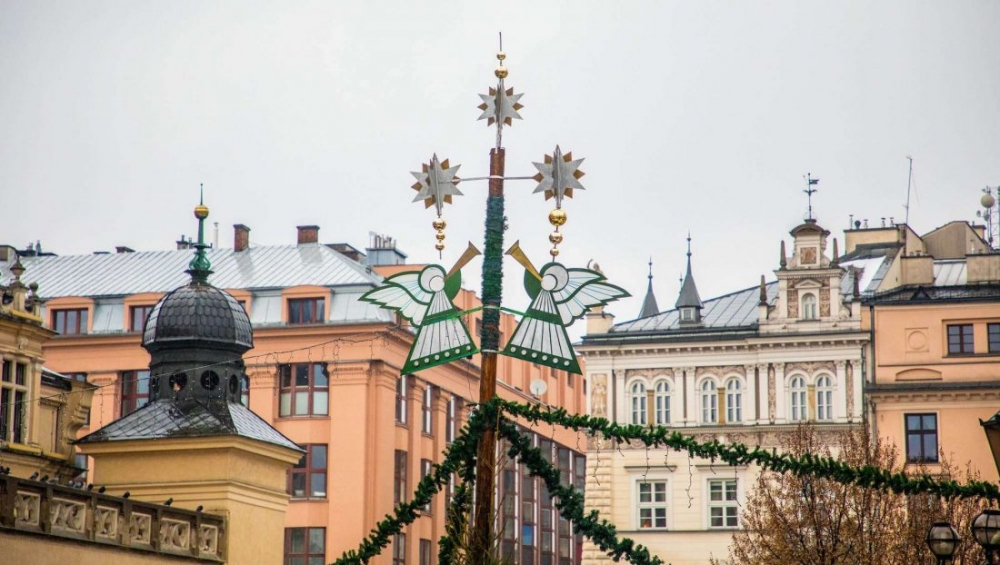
{"x": 461, "y": 454}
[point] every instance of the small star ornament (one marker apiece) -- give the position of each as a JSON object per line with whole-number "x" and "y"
{"x": 500, "y": 106}
{"x": 436, "y": 183}
{"x": 558, "y": 175}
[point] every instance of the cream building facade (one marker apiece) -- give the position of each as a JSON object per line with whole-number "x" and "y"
{"x": 743, "y": 367}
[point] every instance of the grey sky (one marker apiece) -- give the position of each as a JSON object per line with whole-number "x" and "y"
{"x": 698, "y": 116}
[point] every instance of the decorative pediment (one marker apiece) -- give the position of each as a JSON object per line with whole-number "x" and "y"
{"x": 805, "y": 284}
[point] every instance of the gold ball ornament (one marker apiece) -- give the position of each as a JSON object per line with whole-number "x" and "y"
{"x": 439, "y": 246}
{"x": 439, "y": 224}
{"x": 501, "y": 72}
{"x": 201, "y": 212}
{"x": 557, "y": 217}
{"x": 501, "y": 56}
{"x": 556, "y": 237}
{"x": 554, "y": 252}
{"x": 440, "y": 236}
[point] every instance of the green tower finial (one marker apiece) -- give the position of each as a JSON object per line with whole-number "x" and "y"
{"x": 200, "y": 267}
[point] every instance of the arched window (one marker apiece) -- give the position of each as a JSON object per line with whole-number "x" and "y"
{"x": 824, "y": 398}
{"x": 799, "y": 411}
{"x": 662, "y": 403}
{"x": 734, "y": 401}
{"x": 808, "y": 306}
{"x": 709, "y": 402}
{"x": 637, "y": 395}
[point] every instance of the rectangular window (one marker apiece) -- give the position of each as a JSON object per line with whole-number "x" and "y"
{"x": 245, "y": 391}
{"x": 960, "y": 339}
{"x": 13, "y": 402}
{"x": 723, "y": 509}
{"x": 425, "y": 552}
{"x": 70, "y": 322}
{"x": 305, "y": 390}
{"x": 137, "y": 317}
{"x": 993, "y": 333}
{"x": 307, "y": 479}
{"x": 451, "y": 426}
{"x": 82, "y": 377}
{"x": 652, "y": 504}
{"x": 134, "y": 390}
{"x": 306, "y": 310}
{"x": 401, "y": 400}
{"x": 399, "y": 549}
{"x": 399, "y": 492}
{"x": 425, "y": 469}
{"x": 427, "y": 412}
{"x": 305, "y": 546}
{"x": 921, "y": 438}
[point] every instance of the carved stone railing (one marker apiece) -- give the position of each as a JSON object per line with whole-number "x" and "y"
{"x": 81, "y": 514}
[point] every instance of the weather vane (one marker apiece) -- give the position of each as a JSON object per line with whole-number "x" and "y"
{"x": 809, "y": 190}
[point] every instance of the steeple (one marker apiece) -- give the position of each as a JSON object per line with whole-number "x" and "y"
{"x": 200, "y": 267}
{"x": 689, "y": 302}
{"x": 649, "y": 307}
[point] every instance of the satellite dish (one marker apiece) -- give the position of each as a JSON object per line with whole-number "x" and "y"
{"x": 538, "y": 387}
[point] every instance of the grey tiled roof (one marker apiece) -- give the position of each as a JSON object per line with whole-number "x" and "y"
{"x": 190, "y": 418}
{"x": 198, "y": 311}
{"x": 735, "y": 310}
{"x": 121, "y": 274}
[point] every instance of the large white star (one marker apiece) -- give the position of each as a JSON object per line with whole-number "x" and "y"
{"x": 500, "y": 105}
{"x": 436, "y": 183}
{"x": 558, "y": 176}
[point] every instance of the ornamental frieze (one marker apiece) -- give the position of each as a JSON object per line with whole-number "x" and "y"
{"x": 811, "y": 368}
{"x": 824, "y": 302}
{"x": 649, "y": 373}
{"x": 721, "y": 371}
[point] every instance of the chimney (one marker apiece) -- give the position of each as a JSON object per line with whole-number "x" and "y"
{"x": 308, "y": 234}
{"x": 123, "y": 249}
{"x": 241, "y": 237}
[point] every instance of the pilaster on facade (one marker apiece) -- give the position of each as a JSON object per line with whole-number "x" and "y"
{"x": 841, "y": 412}
{"x": 598, "y": 489}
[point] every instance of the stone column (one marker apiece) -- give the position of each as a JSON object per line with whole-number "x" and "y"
{"x": 780, "y": 398}
{"x": 598, "y": 494}
{"x": 750, "y": 395}
{"x": 840, "y": 412}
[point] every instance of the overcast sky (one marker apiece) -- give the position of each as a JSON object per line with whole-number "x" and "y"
{"x": 700, "y": 116}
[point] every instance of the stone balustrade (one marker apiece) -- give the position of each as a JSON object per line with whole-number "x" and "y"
{"x": 80, "y": 514}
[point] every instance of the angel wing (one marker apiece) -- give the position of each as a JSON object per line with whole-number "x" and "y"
{"x": 403, "y": 294}
{"x": 584, "y": 290}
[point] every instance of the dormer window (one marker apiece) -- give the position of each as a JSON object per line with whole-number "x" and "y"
{"x": 809, "y": 306}
{"x": 687, "y": 314}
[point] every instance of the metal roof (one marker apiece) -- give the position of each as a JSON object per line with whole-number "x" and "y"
{"x": 190, "y": 418}
{"x": 735, "y": 310}
{"x": 120, "y": 274}
{"x": 873, "y": 270}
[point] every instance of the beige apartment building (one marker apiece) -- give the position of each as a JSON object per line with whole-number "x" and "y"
{"x": 324, "y": 372}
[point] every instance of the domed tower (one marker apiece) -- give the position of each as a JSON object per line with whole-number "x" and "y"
{"x": 196, "y": 337}
{"x": 185, "y": 443}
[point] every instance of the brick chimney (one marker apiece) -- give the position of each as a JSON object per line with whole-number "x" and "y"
{"x": 308, "y": 234}
{"x": 241, "y": 237}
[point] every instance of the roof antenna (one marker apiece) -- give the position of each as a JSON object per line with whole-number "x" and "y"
{"x": 909, "y": 179}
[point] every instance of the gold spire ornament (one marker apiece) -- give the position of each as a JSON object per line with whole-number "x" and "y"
{"x": 436, "y": 184}
{"x": 558, "y": 176}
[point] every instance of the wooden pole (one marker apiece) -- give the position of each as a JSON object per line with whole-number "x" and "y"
{"x": 489, "y": 345}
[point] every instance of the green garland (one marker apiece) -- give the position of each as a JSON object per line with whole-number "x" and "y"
{"x": 461, "y": 455}
{"x": 739, "y": 454}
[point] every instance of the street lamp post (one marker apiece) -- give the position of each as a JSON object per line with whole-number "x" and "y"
{"x": 986, "y": 531}
{"x": 942, "y": 539}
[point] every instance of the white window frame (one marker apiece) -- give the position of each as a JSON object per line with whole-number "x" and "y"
{"x": 427, "y": 410}
{"x": 724, "y": 504}
{"x": 18, "y": 399}
{"x": 708, "y": 394}
{"x": 798, "y": 412}
{"x": 639, "y": 506}
{"x": 687, "y": 314}
{"x": 809, "y": 309}
{"x": 732, "y": 393}
{"x": 824, "y": 409}
{"x": 637, "y": 403}
{"x": 401, "y": 399}
{"x": 661, "y": 402}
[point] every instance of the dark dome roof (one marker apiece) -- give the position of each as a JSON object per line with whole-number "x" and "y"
{"x": 198, "y": 312}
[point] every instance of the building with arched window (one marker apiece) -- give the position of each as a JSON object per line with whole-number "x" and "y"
{"x": 748, "y": 366}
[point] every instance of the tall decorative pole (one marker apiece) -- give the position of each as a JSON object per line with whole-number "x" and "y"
{"x": 560, "y": 295}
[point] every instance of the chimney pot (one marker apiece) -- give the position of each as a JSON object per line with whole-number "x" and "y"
{"x": 308, "y": 234}
{"x": 241, "y": 237}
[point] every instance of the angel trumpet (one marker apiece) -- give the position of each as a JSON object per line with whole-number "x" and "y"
{"x": 520, "y": 257}
{"x": 467, "y": 256}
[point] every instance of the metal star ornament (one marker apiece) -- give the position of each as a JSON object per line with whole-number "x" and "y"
{"x": 558, "y": 176}
{"x": 500, "y": 106}
{"x": 436, "y": 183}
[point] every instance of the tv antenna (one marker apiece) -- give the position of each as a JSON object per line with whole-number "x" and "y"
{"x": 909, "y": 181}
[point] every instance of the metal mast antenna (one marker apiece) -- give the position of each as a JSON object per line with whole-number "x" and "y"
{"x": 909, "y": 179}
{"x": 810, "y": 183}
